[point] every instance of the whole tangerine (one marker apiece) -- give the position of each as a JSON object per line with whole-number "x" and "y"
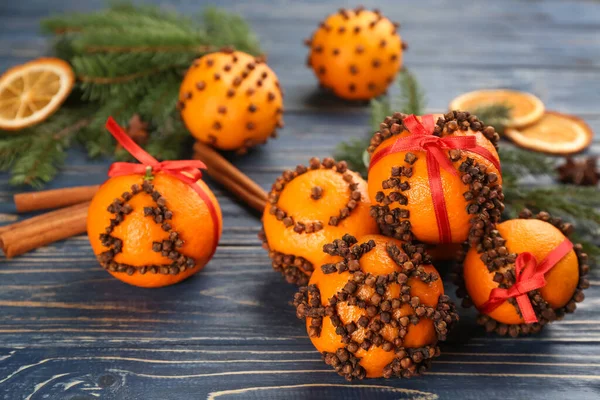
{"x": 379, "y": 312}
{"x": 356, "y": 53}
{"x": 153, "y": 233}
{"x": 309, "y": 207}
{"x": 399, "y": 183}
{"x": 231, "y": 100}
{"x": 493, "y": 265}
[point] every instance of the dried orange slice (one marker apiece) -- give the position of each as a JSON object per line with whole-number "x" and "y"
{"x": 526, "y": 109}
{"x": 31, "y": 92}
{"x": 555, "y": 133}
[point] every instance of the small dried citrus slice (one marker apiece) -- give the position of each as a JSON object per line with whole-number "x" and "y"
{"x": 526, "y": 108}
{"x": 30, "y": 92}
{"x": 555, "y": 133}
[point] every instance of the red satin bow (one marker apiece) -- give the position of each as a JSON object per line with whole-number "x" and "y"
{"x": 187, "y": 171}
{"x": 422, "y": 139}
{"x": 529, "y": 275}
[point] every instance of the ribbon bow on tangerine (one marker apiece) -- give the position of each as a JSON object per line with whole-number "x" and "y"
{"x": 529, "y": 275}
{"x": 187, "y": 171}
{"x": 156, "y": 223}
{"x": 423, "y": 139}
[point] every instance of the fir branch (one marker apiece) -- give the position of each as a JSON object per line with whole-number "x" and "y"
{"x": 166, "y": 140}
{"x": 412, "y": 97}
{"x": 12, "y": 147}
{"x": 411, "y": 100}
{"x": 496, "y": 115}
{"x": 34, "y": 154}
{"x": 517, "y": 163}
{"x": 127, "y": 50}
{"x": 353, "y": 152}
{"x": 379, "y": 109}
{"x": 224, "y": 29}
{"x": 104, "y": 77}
{"x": 118, "y": 17}
{"x": 149, "y": 49}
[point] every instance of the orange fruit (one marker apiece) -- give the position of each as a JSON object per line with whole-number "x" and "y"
{"x": 166, "y": 232}
{"x": 31, "y": 92}
{"x": 399, "y": 184}
{"x": 356, "y": 53}
{"x": 377, "y": 313}
{"x": 231, "y": 100}
{"x": 554, "y": 133}
{"x": 522, "y": 235}
{"x": 310, "y": 207}
{"x": 525, "y": 108}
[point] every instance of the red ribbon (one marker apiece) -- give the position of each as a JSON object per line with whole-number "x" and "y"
{"x": 177, "y": 169}
{"x": 529, "y": 276}
{"x": 422, "y": 139}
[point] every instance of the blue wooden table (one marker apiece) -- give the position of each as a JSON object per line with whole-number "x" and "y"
{"x": 70, "y": 331}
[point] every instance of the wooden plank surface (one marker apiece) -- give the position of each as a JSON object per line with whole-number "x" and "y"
{"x": 70, "y": 331}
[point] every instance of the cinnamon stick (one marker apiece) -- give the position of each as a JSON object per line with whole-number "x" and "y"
{"x": 48, "y": 228}
{"x": 232, "y": 178}
{"x": 56, "y": 198}
{"x": 38, "y": 219}
{"x": 238, "y": 190}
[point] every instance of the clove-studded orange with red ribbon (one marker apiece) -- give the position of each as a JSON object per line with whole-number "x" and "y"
{"x": 153, "y": 223}
{"x": 529, "y": 275}
{"x": 422, "y": 139}
{"x": 187, "y": 171}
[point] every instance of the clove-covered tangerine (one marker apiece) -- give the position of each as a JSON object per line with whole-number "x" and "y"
{"x": 356, "y": 53}
{"x": 231, "y": 100}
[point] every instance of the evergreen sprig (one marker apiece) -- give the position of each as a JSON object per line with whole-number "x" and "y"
{"x": 410, "y": 100}
{"x": 496, "y": 115}
{"x": 127, "y": 50}
{"x": 34, "y": 154}
{"x": 575, "y": 204}
{"x": 128, "y": 60}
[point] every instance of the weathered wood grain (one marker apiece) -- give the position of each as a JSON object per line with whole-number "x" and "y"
{"x": 70, "y": 331}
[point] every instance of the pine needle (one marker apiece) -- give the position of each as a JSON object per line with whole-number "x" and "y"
{"x": 380, "y": 108}
{"x": 411, "y": 100}
{"x": 352, "y": 152}
{"x": 496, "y": 115}
{"x": 412, "y": 97}
{"x": 517, "y": 163}
{"x": 126, "y": 50}
{"x": 34, "y": 154}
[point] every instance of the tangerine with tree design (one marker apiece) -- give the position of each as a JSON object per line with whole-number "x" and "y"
{"x": 153, "y": 229}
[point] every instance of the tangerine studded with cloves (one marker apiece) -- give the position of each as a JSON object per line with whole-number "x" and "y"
{"x": 309, "y": 207}
{"x": 356, "y": 53}
{"x": 231, "y": 100}
{"x": 152, "y": 233}
{"x": 379, "y": 310}
{"x": 490, "y": 263}
{"x": 400, "y": 189}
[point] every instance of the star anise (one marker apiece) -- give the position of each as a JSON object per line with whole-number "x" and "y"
{"x": 579, "y": 172}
